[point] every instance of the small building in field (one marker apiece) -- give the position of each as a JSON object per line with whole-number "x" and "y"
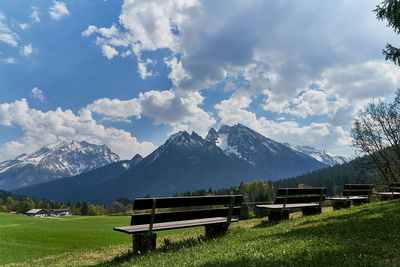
{"x": 37, "y": 213}
{"x": 59, "y": 212}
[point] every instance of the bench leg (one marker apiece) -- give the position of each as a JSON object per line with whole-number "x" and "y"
{"x": 213, "y": 230}
{"x": 277, "y": 215}
{"x": 311, "y": 210}
{"x": 143, "y": 242}
{"x": 337, "y": 205}
{"x": 385, "y": 198}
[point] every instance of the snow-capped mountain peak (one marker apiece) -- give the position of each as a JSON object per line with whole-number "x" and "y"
{"x": 320, "y": 155}
{"x": 54, "y": 161}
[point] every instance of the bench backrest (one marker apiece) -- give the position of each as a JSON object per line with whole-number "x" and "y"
{"x": 201, "y": 208}
{"x": 357, "y": 190}
{"x": 394, "y": 187}
{"x": 300, "y": 195}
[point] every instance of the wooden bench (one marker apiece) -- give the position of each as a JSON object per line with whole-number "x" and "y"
{"x": 394, "y": 192}
{"x": 214, "y": 212}
{"x": 352, "y": 193}
{"x": 309, "y": 200}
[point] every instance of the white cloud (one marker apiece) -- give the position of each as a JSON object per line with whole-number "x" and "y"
{"x": 91, "y": 29}
{"x": 35, "y": 14}
{"x": 361, "y": 81}
{"x": 116, "y": 108}
{"x": 9, "y": 60}
{"x": 37, "y": 93}
{"x": 311, "y": 102}
{"x": 150, "y": 23}
{"x": 27, "y": 50}
{"x": 23, "y": 26}
{"x": 41, "y": 128}
{"x": 109, "y": 51}
{"x": 6, "y": 34}
{"x": 58, "y": 10}
{"x": 180, "y": 110}
{"x": 142, "y": 69}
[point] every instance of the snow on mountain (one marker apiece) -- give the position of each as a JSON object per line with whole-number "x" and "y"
{"x": 54, "y": 161}
{"x": 242, "y": 142}
{"x": 320, "y": 155}
{"x": 270, "y": 159}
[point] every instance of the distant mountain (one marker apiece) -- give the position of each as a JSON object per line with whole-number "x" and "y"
{"x": 185, "y": 162}
{"x": 271, "y": 159}
{"x": 52, "y": 162}
{"x": 320, "y": 155}
{"x": 80, "y": 187}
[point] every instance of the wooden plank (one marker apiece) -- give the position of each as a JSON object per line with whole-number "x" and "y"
{"x": 387, "y": 193}
{"x": 288, "y": 206}
{"x": 394, "y": 184}
{"x": 175, "y": 202}
{"x": 171, "y": 225}
{"x": 160, "y": 217}
{"x": 358, "y": 186}
{"x": 394, "y": 189}
{"x": 301, "y": 191}
{"x": 346, "y": 199}
{"x": 358, "y": 192}
{"x": 298, "y": 199}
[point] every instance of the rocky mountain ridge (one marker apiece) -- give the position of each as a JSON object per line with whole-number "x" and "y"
{"x": 54, "y": 161}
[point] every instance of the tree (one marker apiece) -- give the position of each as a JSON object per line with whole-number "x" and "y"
{"x": 84, "y": 208}
{"x": 376, "y": 133}
{"x": 389, "y": 10}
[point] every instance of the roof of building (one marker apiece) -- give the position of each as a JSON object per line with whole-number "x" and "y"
{"x": 59, "y": 210}
{"x": 34, "y": 211}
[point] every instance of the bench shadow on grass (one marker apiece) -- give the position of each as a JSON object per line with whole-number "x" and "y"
{"x": 166, "y": 246}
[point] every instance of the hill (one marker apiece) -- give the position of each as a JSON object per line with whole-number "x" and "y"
{"x": 359, "y": 236}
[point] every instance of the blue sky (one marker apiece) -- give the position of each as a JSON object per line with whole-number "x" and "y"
{"x": 129, "y": 73}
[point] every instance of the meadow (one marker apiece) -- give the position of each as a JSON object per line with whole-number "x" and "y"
{"x": 367, "y": 235}
{"x": 24, "y": 238}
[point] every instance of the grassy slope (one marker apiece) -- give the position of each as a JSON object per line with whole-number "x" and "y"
{"x": 368, "y": 236}
{"x": 24, "y": 238}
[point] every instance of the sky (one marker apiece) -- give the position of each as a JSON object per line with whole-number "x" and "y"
{"x": 129, "y": 73}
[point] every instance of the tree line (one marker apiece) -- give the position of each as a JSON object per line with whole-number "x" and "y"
{"x": 21, "y": 204}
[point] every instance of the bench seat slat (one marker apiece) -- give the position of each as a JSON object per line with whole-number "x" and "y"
{"x": 288, "y": 206}
{"x": 387, "y": 193}
{"x": 356, "y": 192}
{"x": 345, "y": 198}
{"x": 171, "y": 225}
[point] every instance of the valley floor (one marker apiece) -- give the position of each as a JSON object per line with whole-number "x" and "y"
{"x": 360, "y": 236}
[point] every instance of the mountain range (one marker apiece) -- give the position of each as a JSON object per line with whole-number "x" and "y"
{"x": 320, "y": 155}
{"x": 52, "y": 162}
{"x": 185, "y": 162}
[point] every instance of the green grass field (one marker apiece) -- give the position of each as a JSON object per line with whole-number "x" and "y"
{"x": 24, "y": 238}
{"x": 360, "y": 236}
